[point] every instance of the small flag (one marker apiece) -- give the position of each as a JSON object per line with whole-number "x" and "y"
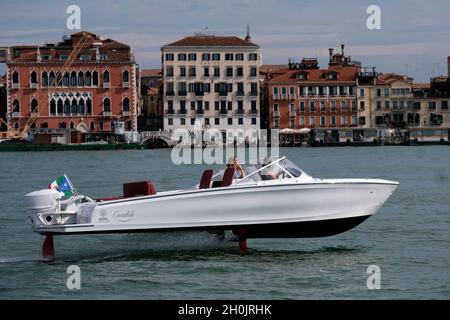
{"x": 63, "y": 185}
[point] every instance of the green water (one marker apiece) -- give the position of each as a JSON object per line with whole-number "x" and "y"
{"x": 409, "y": 238}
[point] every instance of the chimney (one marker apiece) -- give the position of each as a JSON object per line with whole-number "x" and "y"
{"x": 448, "y": 66}
{"x": 331, "y": 50}
{"x": 342, "y": 49}
{"x": 247, "y": 37}
{"x": 38, "y": 55}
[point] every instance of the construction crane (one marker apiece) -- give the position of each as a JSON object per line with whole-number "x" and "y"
{"x": 34, "y": 115}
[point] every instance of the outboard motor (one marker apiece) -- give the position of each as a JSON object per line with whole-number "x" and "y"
{"x": 43, "y": 200}
{"x": 45, "y": 203}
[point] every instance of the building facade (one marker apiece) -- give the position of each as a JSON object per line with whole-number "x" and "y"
{"x": 309, "y": 97}
{"x": 89, "y": 93}
{"x": 431, "y": 103}
{"x": 385, "y": 101}
{"x": 211, "y": 82}
{"x": 3, "y": 103}
{"x": 152, "y": 100}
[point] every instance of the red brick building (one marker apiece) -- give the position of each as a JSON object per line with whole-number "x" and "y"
{"x": 97, "y": 89}
{"x": 307, "y": 97}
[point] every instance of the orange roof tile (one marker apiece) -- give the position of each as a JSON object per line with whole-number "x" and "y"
{"x": 151, "y": 72}
{"x": 348, "y": 74}
{"x": 211, "y": 41}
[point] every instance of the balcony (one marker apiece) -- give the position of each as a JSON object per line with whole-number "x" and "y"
{"x": 182, "y": 93}
{"x": 170, "y": 93}
{"x": 223, "y": 93}
{"x": 33, "y": 85}
{"x": 106, "y": 85}
{"x": 107, "y": 113}
{"x": 276, "y": 96}
{"x": 126, "y": 113}
{"x": 199, "y": 111}
{"x": 125, "y": 85}
{"x": 16, "y": 114}
{"x": 240, "y": 111}
{"x": 15, "y": 86}
{"x": 182, "y": 111}
{"x": 284, "y": 97}
{"x": 253, "y": 112}
{"x": 199, "y": 93}
{"x": 223, "y": 112}
{"x": 276, "y": 114}
{"x": 240, "y": 93}
{"x": 169, "y": 111}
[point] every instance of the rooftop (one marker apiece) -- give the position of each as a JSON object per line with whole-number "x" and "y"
{"x": 348, "y": 74}
{"x": 114, "y": 50}
{"x": 151, "y": 73}
{"x": 211, "y": 41}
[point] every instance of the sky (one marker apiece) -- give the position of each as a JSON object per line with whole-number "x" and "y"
{"x": 414, "y": 38}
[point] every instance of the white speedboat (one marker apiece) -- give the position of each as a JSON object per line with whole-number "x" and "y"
{"x": 276, "y": 200}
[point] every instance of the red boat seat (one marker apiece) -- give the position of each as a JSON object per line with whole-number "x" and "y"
{"x": 136, "y": 189}
{"x": 228, "y": 177}
{"x": 205, "y": 182}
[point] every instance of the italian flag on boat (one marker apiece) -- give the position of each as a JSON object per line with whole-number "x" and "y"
{"x": 63, "y": 185}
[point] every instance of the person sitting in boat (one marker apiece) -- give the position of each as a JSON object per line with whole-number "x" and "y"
{"x": 270, "y": 172}
{"x": 238, "y": 171}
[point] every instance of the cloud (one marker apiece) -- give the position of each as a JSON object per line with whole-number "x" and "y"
{"x": 283, "y": 28}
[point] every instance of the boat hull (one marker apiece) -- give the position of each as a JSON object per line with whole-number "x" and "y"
{"x": 313, "y": 209}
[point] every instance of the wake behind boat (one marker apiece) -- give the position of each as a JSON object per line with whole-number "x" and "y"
{"x": 276, "y": 200}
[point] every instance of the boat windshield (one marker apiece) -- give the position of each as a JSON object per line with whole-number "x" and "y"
{"x": 281, "y": 168}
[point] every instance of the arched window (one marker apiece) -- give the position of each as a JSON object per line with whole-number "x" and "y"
{"x": 15, "y": 77}
{"x": 95, "y": 78}
{"x": 80, "y": 79}
{"x": 88, "y": 79}
{"x": 63, "y": 125}
{"x": 58, "y": 79}
{"x": 51, "y": 79}
{"x": 107, "y": 105}
{"x": 126, "y": 104}
{"x": 129, "y": 125}
{"x": 71, "y": 125}
{"x": 126, "y": 76}
{"x": 67, "y": 107}
{"x": 44, "y": 79}
{"x": 60, "y": 107}
{"x": 33, "y": 77}
{"x": 88, "y": 106}
{"x": 92, "y": 126}
{"x": 74, "y": 107}
{"x": 81, "y": 107}
{"x": 52, "y": 107}
{"x": 73, "y": 79}
{"x": 106, "y": 76}
{"x": 16, "y": 105}
{"x": 66, "y": 80}
{"x": 100, "y": 124}
{"x": 34, "y": 106}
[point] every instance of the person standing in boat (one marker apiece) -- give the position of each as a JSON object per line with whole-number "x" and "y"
{"x": 238, "y": 171}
